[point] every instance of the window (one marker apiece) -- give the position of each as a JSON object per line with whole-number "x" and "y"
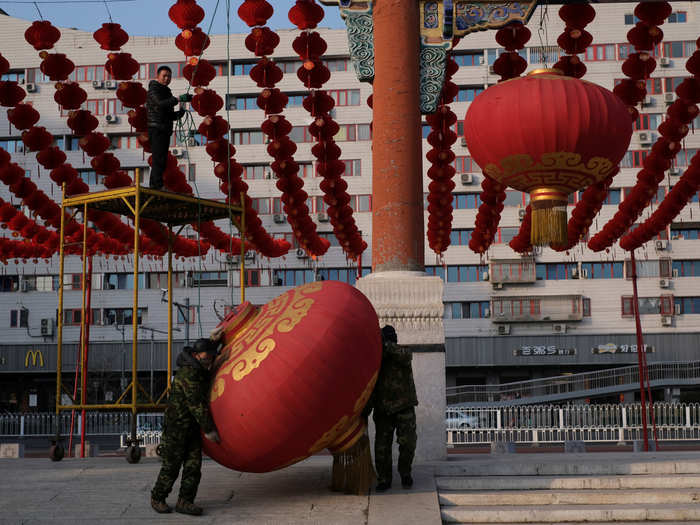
{"x": 256, "y": 171}
{"x": 17, "y": 76}
{"x": 464, "y": 164}
{"x": 248, "y": 136}
{"x": 466, "y": 273}
{"x": 364, "y": 132}
{"x": 293, "y": 277}
{"x": 425, "y": 130}
{"x": 600, "y": 52}
{"x": 289, "y": 66}
{"x": 468, "y": 310}
{"x": 466, "y": 201}
{"x": 12, "y": 145}
{"x": 586, "y": 306}
{"x": 689, "y": 268}
{"x": 44, "y": 283}
{"x": 19, "y": 318}
{"x": 241, "y": 102}
{"x": 175, "y": 67}
{"x": 95, "y": 106}
{"x": 517, "y": 306}
{"x": 470, "y": 58}
{"x": 336, "y": 64}
{"x": 438, "y": 271}
{"x": 671, "y": 83}
{"x": 546, "y": 54}
{"x": 345, "y": 97}
{"x": 122, "y": 281}
{"x": 115, "y": 107}
{"x": 468, "y": 93}
{"x": 659, "y": 268}
{"x": 123, "y": 316}
{"x": 209, "y": 279}
{"x": 679, "y": 49}
{"x": 516, "y": 198}
{"x": 124, "y": 142}
{"x": 353, "y": 168}
{"x": 191, "y": 313}
{"x": 601, "y": 270}
{"x": 346, "y": 132}
{"x": 301, "y": 134}
{"x": 90, "y": 177}
{"x": 655, "y": 199}
{"x": 648, "y": 305}
{"x": 364, "y": 203}
{"x": 252, "y": 278}
{"x": 262, "y": 205}
{"x": 9, "y": 283}
{"x": 687, "y": 305}
{"x": 460, "y": 237}
{"x": 677, "y": 17}
{"x": 159, "y": 280}
{"x": 630, "y": 19}
{"x": 555, "y": 271}
{"x": 613, "y": 196}
{"x": 346, "y": 275}
{"x": 242, "y": 68}
{"x": 633, "y": 159}
{"x": 505, "y": 235}
{"x": 686, "y": 233}
{"x": 295, "y": 99}
{"x": 648, "y": 121}
{"x": 684, "y": 156}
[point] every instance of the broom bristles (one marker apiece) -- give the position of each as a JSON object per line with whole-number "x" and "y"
{"x": 353, "y": 472}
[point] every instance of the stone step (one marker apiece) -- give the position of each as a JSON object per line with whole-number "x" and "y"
{"x": 606, "y": 523}
{"x": 572, "y": 464}
{"x": 569, "y": 497}
{"x": 679, "y": 481}
{"x": 570, "y": 513}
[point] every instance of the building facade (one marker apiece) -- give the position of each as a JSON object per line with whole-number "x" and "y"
{"x": 506, "y": 317}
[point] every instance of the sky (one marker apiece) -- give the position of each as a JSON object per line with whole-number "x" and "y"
{"x": 147, "y": 17}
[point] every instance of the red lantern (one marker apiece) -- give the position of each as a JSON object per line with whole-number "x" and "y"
{"x": 207, "y": 102}
{"x": 23, "y": 116}
{"x": 306, "y": 14}
{"x": 11, "y": 93}
{"x": 121, "y": 66}
{"x": 105, "y": 163}
{"x": 258, "y": 382}
{"x": 220, "y": 150}
{"x": 262, "y": 41}
{"x": 138, "y": 118}
{"x": 56, "y": 66}
{"x": 186, "y": 14}
{"x": 255, "y": 12}
{"x": 42, "y": 35}
{"x": 131, "y": 94}
{"x": 204, "y": 73}
{"x": 213, "y": 128}
{"x": 69, "y": 95}
{"x": 37, "y": 138}
{"x": 111, "y": 37}
{"x": 82, "y": 122}
{"x": 94, "y": 144}
{"x": 192, "y": 42}
{"x": 4, "y": 65}
{"x": 547, "y": 135}
{"x": 266, "y": 73}
{"x": 51, "y": 157}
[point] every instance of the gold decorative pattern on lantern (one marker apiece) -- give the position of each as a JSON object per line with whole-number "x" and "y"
{"x": 251, "y": 346}
{"x": 331, "y": 436}
{"x": 562, "y": 170}
{"x": 367, "y": 392}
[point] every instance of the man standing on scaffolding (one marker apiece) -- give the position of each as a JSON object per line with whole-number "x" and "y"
{"x": 160, "y": 104}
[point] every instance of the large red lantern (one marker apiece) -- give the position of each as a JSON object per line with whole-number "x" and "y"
{"x": 548, "y": 135}
{"x": 69, "y": 95}
{"x": 255, "y": 12}
{"x": 23, "y": 116}
{"x": 294, "y": 377}
{"x": 42, "y": 35}
{"x": 11, "y": 93}
{"x": 111, "y": 37}
{"x": 56, "y": 66}
{"x": 192, "y": 42}
{"x": 186, "y": 14}
{"x": 121, "y": 66}
{"x": 131, "y": 94}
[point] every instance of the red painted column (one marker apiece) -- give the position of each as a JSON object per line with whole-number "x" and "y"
{"x": 397, "y": 178}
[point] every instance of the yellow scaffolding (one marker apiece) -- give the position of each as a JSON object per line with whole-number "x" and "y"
{"x": 172, "y": 209}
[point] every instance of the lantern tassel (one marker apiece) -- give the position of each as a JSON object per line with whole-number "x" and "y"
{"x": 549, "y": 225}
{"x": 353, "y": 472}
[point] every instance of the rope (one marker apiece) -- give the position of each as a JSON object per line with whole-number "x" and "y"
{"x": 228, "y": 121}
{"x": 108, "y": 12}
{"x": 37, "y": 10}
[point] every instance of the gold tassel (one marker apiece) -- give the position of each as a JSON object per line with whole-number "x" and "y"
{"x": 353, "y": 472}
{"x": 549, "y": 224}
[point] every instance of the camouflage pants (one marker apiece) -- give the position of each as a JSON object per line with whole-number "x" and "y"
{"x": 404, "y": 422}
{"x": 180, "y": 448}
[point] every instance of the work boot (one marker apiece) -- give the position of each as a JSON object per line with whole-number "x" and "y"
{"x": 406, "y": 481}
{"x": 186, "y": 507}
{"x": 161, "y": 507}
{"x": 383, "y": 486}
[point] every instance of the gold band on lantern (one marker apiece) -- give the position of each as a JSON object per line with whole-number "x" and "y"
{"x": 546, "y": 71}
{"x": 548, "y": 217}
{"x": 548, "y": 194}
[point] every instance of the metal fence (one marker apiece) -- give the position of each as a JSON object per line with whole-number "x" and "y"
{"x": 97, "y": 423}
{"x": 572, "y": 385}
{"x": 555, "y": 424}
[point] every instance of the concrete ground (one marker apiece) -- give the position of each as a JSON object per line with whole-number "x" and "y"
{"x": 109, "y": 490}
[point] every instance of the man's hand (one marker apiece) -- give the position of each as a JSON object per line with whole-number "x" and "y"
{"x": 185, "y": 97}
{"x": 217, "y": 334}
{"x": 213, "y": 436}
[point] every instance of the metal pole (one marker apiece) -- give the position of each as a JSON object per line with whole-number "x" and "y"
{"x": 135, "y": 313}
{"x": 640, "y": 348}
{"x": 59, "y": 321}
{"x": 152, "y": 341}
{"x": 170, "y": 306}
{"x": 82, "y": 333}
{"x": 242, "y": 203}
{"x": 187, "y": 321}
{"x": 86, "y": 348}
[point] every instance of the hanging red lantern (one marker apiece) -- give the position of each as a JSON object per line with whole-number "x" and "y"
{"x": 11, "y": 174}
{"x": 42, "y": 35}
{"x": 207, "y": 102}
{"x": 192, "y": 42}
{"x": 121, "y": 66}
{"x": 266, "y": 73}
{"x": 94, "y": 144}
{"x": 653, "y": 12}
{"x": 138, "y": 118}
{"x": 300, "y": 326}
{"x": 255, "y": 12}
{"x": 131, "y": 94}
{"x": 111, "y": 37}
{"x": 105, "y": 163}
{"x": 69, "y": 95}
{"x": 309, "y": 45}
{"x": 51, "y": 157}
{"x": 199, "y": 75}
{"x": 82, "y": 122}
{"x": 186, "y": 14}
{"x": 4, "y": 65}
{"x": 213, "y": 128}
{"x": 306, "y": 14}
{"x": 37, "y": 138}
{"x": 262, "y": 41}
{"x": 56, "y": 66}
{"x": 220, "y": 150}
{"x": 11, "y": 93}
{"x": 548, "y": 135}
{"x": 23, "y": 116}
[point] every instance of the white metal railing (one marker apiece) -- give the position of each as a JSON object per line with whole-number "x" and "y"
{"x": 103, "y": 423}
{"x": 555, "y": 424}
{"x": 572, "y": 385}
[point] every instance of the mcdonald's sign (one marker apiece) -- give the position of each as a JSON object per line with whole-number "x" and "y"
{"x": 34, "y": 354}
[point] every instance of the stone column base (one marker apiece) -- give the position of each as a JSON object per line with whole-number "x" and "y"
{"x": 412, "y": 303}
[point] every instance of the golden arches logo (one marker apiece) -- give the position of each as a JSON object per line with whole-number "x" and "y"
{"x": 34, "y": 354}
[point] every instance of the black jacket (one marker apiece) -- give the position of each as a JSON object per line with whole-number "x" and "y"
{"x": 159, "y": 105}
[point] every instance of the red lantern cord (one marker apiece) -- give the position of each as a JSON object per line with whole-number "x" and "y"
{"x": 521, "y": 243}
{"x": 510, "y": 64}
{"x": 574, "y": 40}
{"x": 442, "y": 171}
{"x": 310, "y": 46}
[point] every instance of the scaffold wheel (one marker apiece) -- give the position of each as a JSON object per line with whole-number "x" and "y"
{"x": 56, "y": 452}
{"x": 133, "y": 453}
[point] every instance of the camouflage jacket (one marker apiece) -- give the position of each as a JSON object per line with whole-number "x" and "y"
{"x": 188, "y": 403}
{"x": 395, "y": 389}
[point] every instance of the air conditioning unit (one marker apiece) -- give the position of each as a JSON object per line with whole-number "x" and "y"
{"x": 661, "y": 244}
{"x": 574, "y": 273}
{"x": 675, "y": 272}
{"x": 278, "y": 218}
{"x": 521, "y": 214}
{"x": 467, "y": 178}
{"x": 176, "y": 152}
{"x": 666, "y": 320}
{"x": 31, "y": 87}
{"x": 664, "y": 283}
{"x": 674, "y": 171}
{"x": 485, "y": 276}
{"x": 323, "y": 216}
{"x": 487, "y": 312}
{"x": 584, "y": 273}
{"x": 301, "y": 254}
{"x": 665, "y": 62}
{"x": 111, "y": 84}
{"x": 559, "y": 328}
{"x": 98, "y": 84}
{"x": 463, "y": 142}
{"x": 677, "y": 309}
{"x": 503, "y": 329}
{"x": 498, "y": 286}
{"x": 24, "y": 286}
{"x": 669, "y": 98}
{"x": 47, "y": 327}
{"x": 648, "y": 101}
{"x": 492, "y": 70}
{"x": 111, "y": 119}
{"x": 644, "y": 137}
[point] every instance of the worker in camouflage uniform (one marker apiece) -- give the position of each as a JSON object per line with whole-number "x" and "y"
{"x": 393, "y": 402}
{"x": 186, "y": 416}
